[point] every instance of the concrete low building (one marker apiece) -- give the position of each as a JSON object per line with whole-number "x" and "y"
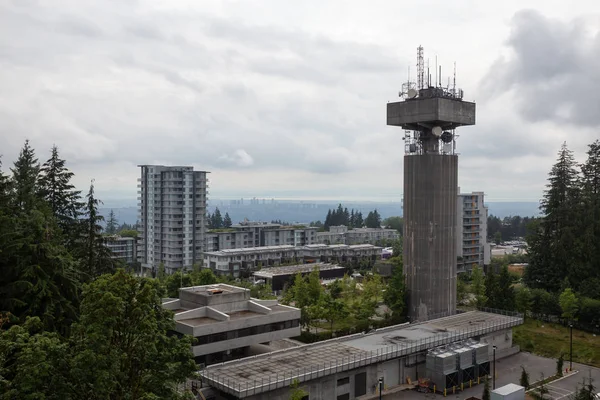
{"x": 242, "y": 262}
{"x": 279, "y": 276}
{"x": 351, "y": 366}
{"x": 225, "y": 320}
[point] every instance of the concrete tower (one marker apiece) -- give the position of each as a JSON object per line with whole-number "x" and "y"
{"x": 429, "y": 114}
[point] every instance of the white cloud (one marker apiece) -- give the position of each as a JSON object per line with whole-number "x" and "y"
{"x": 273, "y": 98}
{"x": 239, "y": 158}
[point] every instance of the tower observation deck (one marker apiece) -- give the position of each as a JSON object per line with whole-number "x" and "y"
{"x": 430, "y": 114}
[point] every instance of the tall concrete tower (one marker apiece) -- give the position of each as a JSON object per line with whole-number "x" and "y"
{"x": 429, "y": 114}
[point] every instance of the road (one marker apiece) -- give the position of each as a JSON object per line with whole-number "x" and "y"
{"x": 509, "y": 371}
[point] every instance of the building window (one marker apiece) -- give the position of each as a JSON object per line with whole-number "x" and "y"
{"x": 343, "y": 381}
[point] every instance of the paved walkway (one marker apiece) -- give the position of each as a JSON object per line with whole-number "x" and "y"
{"x": 509, "y": 371}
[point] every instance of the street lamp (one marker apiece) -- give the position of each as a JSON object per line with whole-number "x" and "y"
{"x": 380, "y": 387}
{"x": 571, "y": 356}
{"x": 494, "y": 376}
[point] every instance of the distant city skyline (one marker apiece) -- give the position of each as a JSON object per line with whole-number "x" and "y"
{"x": 288, "y": 103}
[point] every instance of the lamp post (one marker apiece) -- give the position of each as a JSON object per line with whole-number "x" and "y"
{"x": 571, "y": 351}
{"x": 380, "y": 387}
{"x": 494, "y": 376}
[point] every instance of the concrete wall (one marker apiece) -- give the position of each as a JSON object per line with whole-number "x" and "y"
{"x": 447, "y": 112}
{"x": 245, "y": 341}
{"x": 430, "y": 196}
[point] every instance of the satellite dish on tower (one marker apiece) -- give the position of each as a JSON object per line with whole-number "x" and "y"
{"x": 437, "y": 131}
{"x": 446, "y": 137}
{"x": 412, "y": 93}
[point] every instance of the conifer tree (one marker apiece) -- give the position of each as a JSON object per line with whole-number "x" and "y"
{"x": 95, "y": 255}
{"x": 55, "y": 187}
{"x": 358, "y": 223}
{"x": 551, "y": 244}
{"x": 111, "y": 223}
{"x": 26, "y": 173}
{"x": 227, "y": 221}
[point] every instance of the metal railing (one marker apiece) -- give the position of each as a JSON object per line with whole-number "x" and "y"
{"x": 284, "y": 379}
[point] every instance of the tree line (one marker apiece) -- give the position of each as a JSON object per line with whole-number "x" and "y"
{"x": 508, "y": 228}
{"x": 562, "y": 278}
{"x": 216, "y": 221}
{"x": 564, "y": 244}
{"x": 67, "y": 310}
{"x": 351, "y": 219}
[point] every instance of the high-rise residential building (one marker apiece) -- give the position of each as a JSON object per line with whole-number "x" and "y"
{"x": 472, "y": 246}
{"x": 172, "y": 216}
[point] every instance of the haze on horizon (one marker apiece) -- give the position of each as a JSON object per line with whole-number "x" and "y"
{"x": 288, "y": 101}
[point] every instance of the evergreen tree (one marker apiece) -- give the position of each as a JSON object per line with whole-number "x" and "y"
{"x": 506, "y": 293}
{"x": 328, "y": 221}
{"x": 346, "y": 220}
{"x": 339, "y": 215}
{"x": 96, "y": 257}
{"x": 373, "y": 220}
{"x": 25, "y": 178}
{"x": 227, "y": 221}
{"x": 524, "y": 381}
{"x": 551, "y": 244}
{"x": 111, "y": 223}
{"x": 352, "y": 219}
{"x": 492, "y": 291}
{"x": 358, "y": 223}
{"x": 587, "y": 269}
{"x": 55, "y": 187}
{"x": 217, "y": 219}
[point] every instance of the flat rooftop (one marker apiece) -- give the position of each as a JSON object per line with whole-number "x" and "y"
{"x": 216, "y": 289}
{"x": 270, "y": 272}
{"x": 265, "y": 372}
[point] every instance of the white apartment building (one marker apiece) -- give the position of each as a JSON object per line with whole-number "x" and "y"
{"x": 172, "y": 215}
{"x": 122, "y": 248}
{"x": 472, "y": 245}
{"x": 257, "y": 234}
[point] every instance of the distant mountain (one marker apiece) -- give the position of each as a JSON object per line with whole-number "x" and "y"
{"x": 297, "y": 211}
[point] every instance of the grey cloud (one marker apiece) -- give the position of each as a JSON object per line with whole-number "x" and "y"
{"x": 71, "y": 25}
{"x": 554, "y": 72}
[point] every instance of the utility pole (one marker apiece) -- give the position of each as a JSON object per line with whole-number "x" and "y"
{"x": 571, "y": 356}
{"x": 494, "y": 376}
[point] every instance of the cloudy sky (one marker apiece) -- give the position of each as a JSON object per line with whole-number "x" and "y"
{"x": 288, "y": 99}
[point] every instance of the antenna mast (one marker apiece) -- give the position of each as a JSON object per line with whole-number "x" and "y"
{"x": 420, "y": 69}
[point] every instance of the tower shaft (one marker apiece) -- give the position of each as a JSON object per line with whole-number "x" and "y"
{"x": 430, "y": 218}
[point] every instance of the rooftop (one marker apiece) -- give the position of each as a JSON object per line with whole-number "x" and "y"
{"x": 257, "y": 374}
{"x": 216, "y": 289}
{"x": 294, "y": 269}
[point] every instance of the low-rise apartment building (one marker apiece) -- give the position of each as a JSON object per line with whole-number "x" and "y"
{"x": 342, "y": 235}
{"x": 258, "y": 234}
{"x": 122, "y": 248}
{"x": 242, "y": 262}
{"x": 225, "y": 321}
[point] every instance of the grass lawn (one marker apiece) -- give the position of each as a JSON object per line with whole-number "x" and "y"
{"x": 550, "y": 340}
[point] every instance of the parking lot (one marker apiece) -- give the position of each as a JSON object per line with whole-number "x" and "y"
{"x": 509, "y": 371}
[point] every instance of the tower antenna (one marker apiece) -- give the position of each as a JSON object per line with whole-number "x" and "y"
{"x": 420, "y": 68}
{"x": 454, "y": 83}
